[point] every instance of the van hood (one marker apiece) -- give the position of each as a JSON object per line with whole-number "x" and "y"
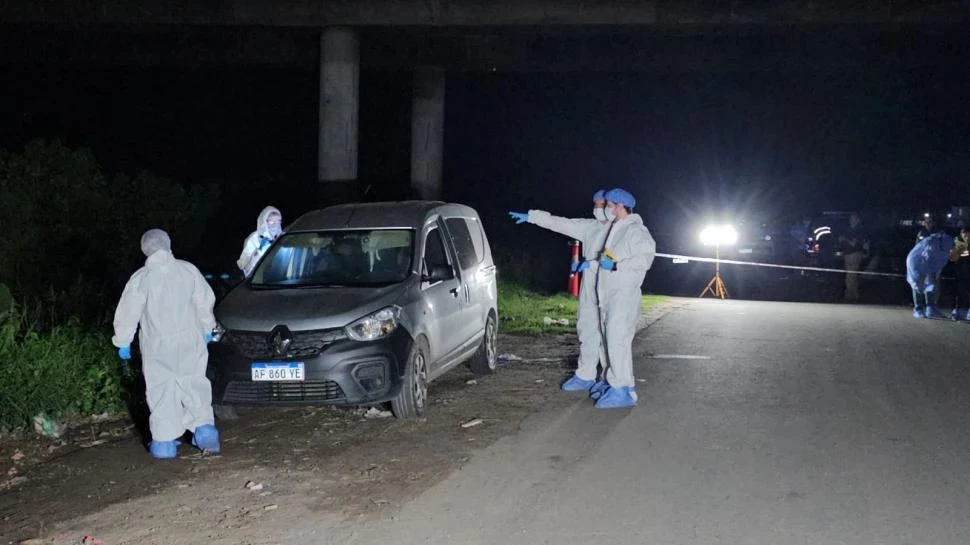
{"x": 302, "y": 309}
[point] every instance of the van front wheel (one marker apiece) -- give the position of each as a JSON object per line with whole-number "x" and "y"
{"x": 412, "y": 400}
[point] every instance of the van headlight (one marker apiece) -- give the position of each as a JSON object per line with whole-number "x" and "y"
{"x": 218, "y": 332}
{"x": 375, "y": 326}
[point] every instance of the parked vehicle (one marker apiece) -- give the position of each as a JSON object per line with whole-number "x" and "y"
{"x": 360, "y": 304}
{"x": 757, "y": 241}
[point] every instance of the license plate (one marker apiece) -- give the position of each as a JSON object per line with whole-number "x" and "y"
{"x": 278, "y": 372}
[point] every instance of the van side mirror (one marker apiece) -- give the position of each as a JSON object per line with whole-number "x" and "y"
{"x": 439, "y": 273}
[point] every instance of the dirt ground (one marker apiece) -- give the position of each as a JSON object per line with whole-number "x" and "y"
{"x": 336, "y": 464}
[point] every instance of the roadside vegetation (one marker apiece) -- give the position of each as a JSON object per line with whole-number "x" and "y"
{"x": 56, "y": 374}
{"x": 526, "y": 312}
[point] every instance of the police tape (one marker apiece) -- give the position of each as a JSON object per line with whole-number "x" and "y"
{"x": 688, "y": 258}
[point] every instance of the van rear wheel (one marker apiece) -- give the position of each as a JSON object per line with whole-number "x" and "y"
{"x": 483, "y": 362}
{"x": 412, "y": 400}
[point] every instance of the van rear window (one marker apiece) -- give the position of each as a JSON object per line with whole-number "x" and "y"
{"x": 469, "y": 253}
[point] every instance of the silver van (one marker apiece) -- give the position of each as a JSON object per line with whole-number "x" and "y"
{"x": 359, "y": 304}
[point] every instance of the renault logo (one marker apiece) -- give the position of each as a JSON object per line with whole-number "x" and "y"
{"x": 280, "y": 340}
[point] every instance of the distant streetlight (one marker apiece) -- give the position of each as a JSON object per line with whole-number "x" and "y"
{"x": 716, "y": 235}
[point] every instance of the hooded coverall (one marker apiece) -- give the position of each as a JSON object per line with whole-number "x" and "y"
{"x": 633, "y": 249}
{"x": 172, "y": 303}
{"x": 924, "y": 264}
{"x": 591, "y": 233}
{"x": 254, "y": 247}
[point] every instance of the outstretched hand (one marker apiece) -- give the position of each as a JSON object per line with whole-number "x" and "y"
{"x": 519, "y": 217}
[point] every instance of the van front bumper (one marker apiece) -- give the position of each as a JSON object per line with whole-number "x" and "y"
{"x": 344, "y": 372}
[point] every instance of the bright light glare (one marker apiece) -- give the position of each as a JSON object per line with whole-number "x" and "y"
{"x": 719, "y": 234}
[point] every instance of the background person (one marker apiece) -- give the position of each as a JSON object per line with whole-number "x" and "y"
{"x": 269, "y": 226}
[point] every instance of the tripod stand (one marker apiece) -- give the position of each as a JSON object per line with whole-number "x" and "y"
{"x": 716, "y": 286}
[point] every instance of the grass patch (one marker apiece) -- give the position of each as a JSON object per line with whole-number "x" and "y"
{"x": 63, "y": 372}
{"x": 650, "y": 301}
{"x": 524, "y": 312}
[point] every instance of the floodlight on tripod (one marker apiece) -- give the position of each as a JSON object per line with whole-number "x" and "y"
{"x": 717, "y": 235}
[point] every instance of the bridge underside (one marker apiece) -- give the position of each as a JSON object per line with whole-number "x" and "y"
{"x": 696, "y": 48}
{"x": 338, "y": 39}
{"x": 320, "y": 13}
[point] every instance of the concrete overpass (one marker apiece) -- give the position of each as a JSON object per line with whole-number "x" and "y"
{"x": 477, "y": 13}
{"x": 433, "y": 37}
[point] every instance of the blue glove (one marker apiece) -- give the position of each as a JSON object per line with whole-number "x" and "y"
{"x": 208, "y": 338}
{"x": 607, "y": 263}
{"x": 519, "y": 217}
{"x": 579, "y": 266}
{"x": 264, "y": 243}
{"x": 124, "y": 353}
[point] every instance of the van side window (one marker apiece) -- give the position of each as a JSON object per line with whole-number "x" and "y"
{"x": 478, "y": 237}
{"x": 465, "y": 247}
{"x": 434, "y": 249}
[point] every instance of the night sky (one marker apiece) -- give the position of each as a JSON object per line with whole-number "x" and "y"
{"x": 765, "y": 144}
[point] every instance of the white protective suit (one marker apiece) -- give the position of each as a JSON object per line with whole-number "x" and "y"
{"x": 591, "y": 233}
{"x": 634, "y": 249}
{"x": 254, "y": 246}
{"x": 172, "y": 303}
{"x": 925, "y": 263}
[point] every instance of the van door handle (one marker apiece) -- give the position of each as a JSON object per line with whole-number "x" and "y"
{"x": 453, "y": 292}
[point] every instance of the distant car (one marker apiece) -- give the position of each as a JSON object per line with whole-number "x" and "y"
{"x": 360, "y": 304}
{"x": 757, "y": 241}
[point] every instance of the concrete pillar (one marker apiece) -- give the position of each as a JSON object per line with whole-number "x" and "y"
{"x": 427, "y": 131}
{"x": 339, "y": 85}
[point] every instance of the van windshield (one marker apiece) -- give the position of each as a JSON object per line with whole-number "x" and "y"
{"x": 337, "y": 258}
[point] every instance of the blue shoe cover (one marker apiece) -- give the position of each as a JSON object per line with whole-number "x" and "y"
{"x": 597, "y": 390}
{"x": 206, "y": 437}
{"x": 967, "y": 316}
{"x": 617, "y": 398}
{"x": 576, "y": 384}
{"x": 918, "y": 314}
{"x": 163, "y": 450}
{"x": 932, "y": 313}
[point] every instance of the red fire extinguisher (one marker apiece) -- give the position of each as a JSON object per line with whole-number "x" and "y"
{"x": 574, "y": 276}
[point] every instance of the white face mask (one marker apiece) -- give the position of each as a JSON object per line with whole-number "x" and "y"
{"x": 599, "y": 214}
{"x": 610, "y": 214}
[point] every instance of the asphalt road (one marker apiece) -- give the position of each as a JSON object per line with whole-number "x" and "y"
{"x": 758, "y": 423}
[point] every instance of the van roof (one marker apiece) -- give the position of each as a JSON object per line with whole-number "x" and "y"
{"x": 371, "y": 215}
